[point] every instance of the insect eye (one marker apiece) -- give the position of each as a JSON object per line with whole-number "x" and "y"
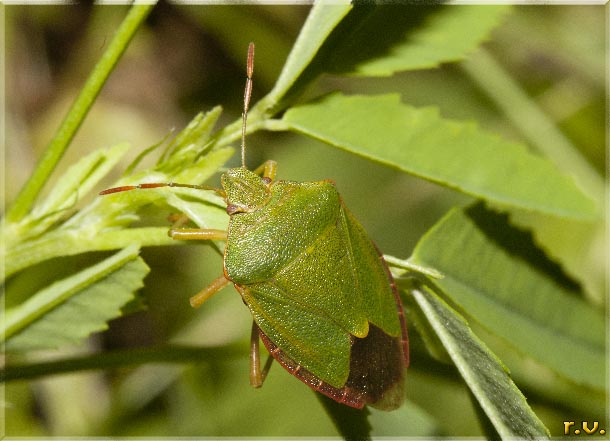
{"x": 266, "y": 180}
{"x": 232, "y": 209}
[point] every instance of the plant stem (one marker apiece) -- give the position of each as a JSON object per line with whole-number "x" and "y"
{"x": 77, "y": 113}
{"x": 122, "y": 358}
{"x": 351, "y": 423}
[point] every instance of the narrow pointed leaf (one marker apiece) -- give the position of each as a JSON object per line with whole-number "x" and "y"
{"x": 579, "y": 247}
{"x": 345, "y": 39}
{"x": 121, "y": 208}
{"x": 73, "y": 185}
{"x": 455, "y": 154}
{"x": 190, "y": 143}
{"x": 499, "y": 279}
{"x": 500, "y": 399}
{"x": 95, "y": 227}
{"x": 322, "y": 19}
{"x": 414, "y": 37}
{"x": 80, "y": 178}
{"x": 69, "y": 310}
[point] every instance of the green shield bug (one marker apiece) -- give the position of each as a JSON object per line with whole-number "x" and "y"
{"x": 321, "y": 296}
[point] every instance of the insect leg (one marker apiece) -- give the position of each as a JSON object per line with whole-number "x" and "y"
{"x": 257, "y": 377}
{"x": 198, "y": 299}
{"x": 199, "y": 234}
{"x": 177, "y": 219}
{"x": 268, "y": 169}
{"x": 178, "y": 233}
{"x": 196, "y": 234}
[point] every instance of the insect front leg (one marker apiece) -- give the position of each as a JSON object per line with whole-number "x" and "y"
{"x": 197, "y": 234}
{"x": 257, "y": 376}
{"x": 178, "y": 233}
{"x": 268, "y": 169}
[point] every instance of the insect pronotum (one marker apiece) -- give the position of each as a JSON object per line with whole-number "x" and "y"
{"x": 321, "y": 296}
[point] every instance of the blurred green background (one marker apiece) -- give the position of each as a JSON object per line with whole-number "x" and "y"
{"x": 187, "y": 59}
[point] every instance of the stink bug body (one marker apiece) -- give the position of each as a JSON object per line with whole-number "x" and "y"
{"x": 322, "y": 298}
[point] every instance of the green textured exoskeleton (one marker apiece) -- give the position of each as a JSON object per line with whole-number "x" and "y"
{"x": 318, "y": 289}
{"x": 322, "y": 298}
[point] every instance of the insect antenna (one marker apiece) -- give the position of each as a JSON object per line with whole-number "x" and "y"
{"x": 158, "y": 185}
{"x": 247, "y": 94}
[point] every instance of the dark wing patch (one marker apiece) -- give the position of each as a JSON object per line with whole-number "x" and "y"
{"x": 376, "y": 376}
{"x": 377, "y": 369}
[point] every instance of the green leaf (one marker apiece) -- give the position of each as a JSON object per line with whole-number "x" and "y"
{"x": 581, "y": 248}
{"x": 343, "y": 38}
{"x": 455, "y": 154}
{"x": 121, "y": 208}
{"x": 502, "y": 402}
{"x": 96, "y": 227}
{"x": 76, "y": 182}
{"x": 68, "y": 243}
{"x": 190, "y": 143}
{"x": 322, "y": 19}
{"x": 503, "y": 282}
{"x": 69, "y": 310}
{"x": 413, "y": 37}
{"x": 204, "y": 208}
{"x": 79, "y": 179}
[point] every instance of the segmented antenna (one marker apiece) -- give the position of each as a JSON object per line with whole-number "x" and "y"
{"x": 247, "y": 94}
